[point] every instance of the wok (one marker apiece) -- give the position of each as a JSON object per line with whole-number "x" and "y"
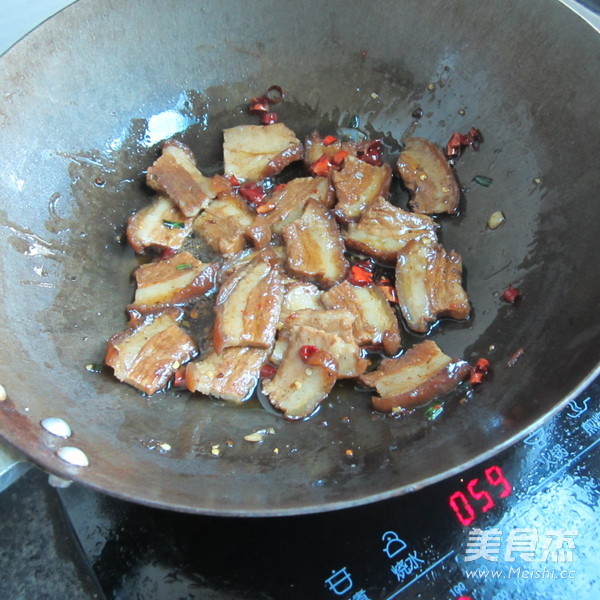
{"x": 87, "y": 99}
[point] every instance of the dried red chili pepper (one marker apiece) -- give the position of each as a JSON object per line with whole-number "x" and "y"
{"x": 361, "y": 273}
{"x": 307, "y": 351}
{"x": 454, "y": 146}
{"x": 167, "y": 253}
{"x": 511, "y": 294}
{"x": 338, "y": 158}
{"x": 268, "y": 371}
{"x": 372, "y": 155}
{"x": 259, "y": 105}
{"x": 321, "y": 166}
{"x": 472, "y": 138}
{"x": 252, "y": 193}
{"x": 268, "y": 118}
{"x": 478, "y": 372}
{"x": 233, "y": 180}
{"x": 328, "y": 140}
{"x": 458, "y": 141}
{"x": 275, "y": 94}
{"x": 179, "y": 378}
{"x": 279, "y": 187}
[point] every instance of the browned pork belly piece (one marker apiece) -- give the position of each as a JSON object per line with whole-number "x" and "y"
{"x": 289, "y": 202}
{"x": 299, "y": 386}
{"x": 248, "y": 304}
{"x": 224, "y": 222}
{"x": 421, "y": 374}
{"x": 231, "y": 375}
{"x": 299, "y": 295}
{"x": 159, "y": 225}
{"x": 376, "y": 323}
{"x": 314, "y": 148}
{"x": 357, "y": 185}
{"x": 235, "y": 262}
{"x": 315, "y": 248}
{"x": 337, "y": 320}
{"x": 175, "y": 174}
{"x": 258, "y": 151}
{"x": 176, "y": 280}
{"x": 384, "y": 229}
{"x": 429, "y": 284}
{"x": 427, "y": 174}
{"x": 342, "y": 346}
{"x": 147, "y": 354}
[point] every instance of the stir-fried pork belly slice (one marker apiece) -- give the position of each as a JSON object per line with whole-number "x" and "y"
{"x": 231, "y": 375}
{"x": 427, "y": 174}
{"x": 298, "y": 296}
{"x": 298, "y": 385}
{"x": 176, "y": 280}
{"x": 289, "y": 202}
{"x": 429, "y": 284}
{"x": 421, "y": 374}
{"x": 248, "y": 304}
{"x": 175, "y": 174}
{"x": 159, "y": 225}
{"x": 224, "y": 222}
{"x": 376, "y": 323}
{"x": 232, "y": 264}
{"x": 258, "y": 151}
{"x": 314, "y": 148}
{"x": 147, "y": 354}
{"x": 315, "y": 248}
{"x": 357, "y": 185}
{"x": 384, "y": 229}
{"x": 236, "y": 262}
{"x": 340, "y": 343}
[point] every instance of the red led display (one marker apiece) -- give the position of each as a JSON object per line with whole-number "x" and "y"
{"x": 461, "y": 505}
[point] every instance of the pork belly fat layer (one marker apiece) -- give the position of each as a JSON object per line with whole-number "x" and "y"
{"x": 427, "y": 174}
{"x": 335, "y": 327}
{"x": 248, "y": 305}
{"x": 384, "y": 229}
{"x": 175, "y": 174}
{"x": 298, "y": 296}
{"x": 357, "y": 185}
{"x": 158, "y": 225}
{"x": 223, "y": 224}
{"x": 420, "y": 375}
{"x": 256, "y": 151}
{"x": 429, "y": 285}
{"x": 314, "y": 245}
{"x": 376, "y": 322}
{"x": 231, "y": 375}
{"x": 176, "y": 280}
{"x": 289, "y": 203}
{"x": 297, "y": 388}
{"x": 147, "y": 355}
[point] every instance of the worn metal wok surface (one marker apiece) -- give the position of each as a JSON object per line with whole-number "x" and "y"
{"x": 85, "y": 101}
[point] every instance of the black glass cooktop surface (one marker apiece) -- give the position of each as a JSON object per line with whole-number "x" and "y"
{"x": 524, "y": 520}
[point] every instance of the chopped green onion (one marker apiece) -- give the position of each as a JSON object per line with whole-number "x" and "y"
{"x": 434, "y": 411}
{"x": 184, "y": 267}
{"x": 174, "y": 224}
{"x": 94, "y": 368}
{"x": 483, "y": 180}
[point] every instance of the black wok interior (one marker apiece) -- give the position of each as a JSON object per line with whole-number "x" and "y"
{"x": 88, "y": 97}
